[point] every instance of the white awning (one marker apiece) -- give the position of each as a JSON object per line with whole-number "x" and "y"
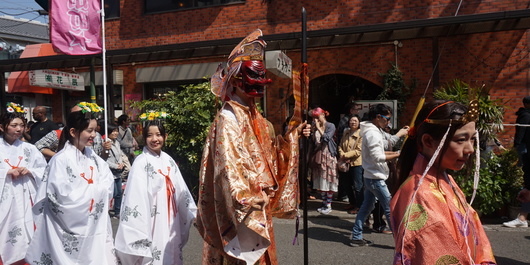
{"x": 175, "y": 72}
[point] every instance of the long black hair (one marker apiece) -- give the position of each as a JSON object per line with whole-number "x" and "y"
{"x": 434, "y": 110}
{"x": 77, "y": 120}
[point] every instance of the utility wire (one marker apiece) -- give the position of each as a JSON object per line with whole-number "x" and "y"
{"x": 9, "y": 14}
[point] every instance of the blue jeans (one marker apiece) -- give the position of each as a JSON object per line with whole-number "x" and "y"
{"x": 117, "y": 195}
{"x": 373, "y": 188}
{"x": 357, "y": 176}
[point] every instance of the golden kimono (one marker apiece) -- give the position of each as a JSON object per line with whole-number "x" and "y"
{"x": 241, "y": 163}
{"x": 434, "y": 231}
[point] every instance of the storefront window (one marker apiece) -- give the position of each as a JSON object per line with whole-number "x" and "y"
{"x": 156, "y": 6}
{"x": 112, "y": 9}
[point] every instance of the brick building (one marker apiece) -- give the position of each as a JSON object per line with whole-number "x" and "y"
{"x": 158, "y": 45}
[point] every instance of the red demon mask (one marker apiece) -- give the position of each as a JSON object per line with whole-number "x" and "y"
{"x": 253, "y": 79}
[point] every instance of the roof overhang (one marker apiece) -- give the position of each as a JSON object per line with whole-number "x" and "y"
{"x": 412, "y": 29}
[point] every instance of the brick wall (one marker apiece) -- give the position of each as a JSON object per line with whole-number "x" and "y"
{"x": 498, "y": 60}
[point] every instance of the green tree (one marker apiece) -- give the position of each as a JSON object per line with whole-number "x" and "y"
{"x": 191, "y": 110}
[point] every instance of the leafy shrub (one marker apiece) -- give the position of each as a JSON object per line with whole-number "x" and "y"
{"x": 192, "y": 111}
{"x": 500, "y": 181}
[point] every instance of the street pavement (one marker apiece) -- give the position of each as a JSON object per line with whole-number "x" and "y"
{"x": 329, "y": 236}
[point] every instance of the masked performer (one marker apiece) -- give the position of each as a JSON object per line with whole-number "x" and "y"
{"x": 433, "y": 222}
{"x": 21, "y": 170}
{"x": 72, "y": 220}
{"x": 157, "y": 209}
{"x": 246, "y": 178}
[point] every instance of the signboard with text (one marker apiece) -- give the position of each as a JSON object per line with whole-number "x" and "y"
{"x": 279, "y": 64}
{"x": 56, "y": 79}
{"x": 364, "y": 106}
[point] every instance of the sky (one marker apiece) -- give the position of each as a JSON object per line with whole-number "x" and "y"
{"x": 15, "y": 8}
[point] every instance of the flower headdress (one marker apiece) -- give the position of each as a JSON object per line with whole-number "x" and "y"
{"x": 153, "y": 115}
{"x": 89, "y": 109}
{"x": 13, "y": 107}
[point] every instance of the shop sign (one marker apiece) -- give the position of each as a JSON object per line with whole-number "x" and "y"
{"x": 279, "y": 64}
{"x": 56, "y": 79}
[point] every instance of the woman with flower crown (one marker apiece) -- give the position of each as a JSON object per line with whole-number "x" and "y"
{"x": 432, "y": 222}
{"x": 71, "y": 208}
{"x": 157, "y": 209}
{"x": 21, "y": 170}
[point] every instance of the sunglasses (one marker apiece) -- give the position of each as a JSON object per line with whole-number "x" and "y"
{"x": 387, "y": 118}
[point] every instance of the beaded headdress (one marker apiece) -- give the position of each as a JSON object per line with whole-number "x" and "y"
{"x": 471, "y": 115}
{"x": 250, "y": 48}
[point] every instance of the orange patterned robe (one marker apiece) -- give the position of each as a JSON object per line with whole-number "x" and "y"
{"x": 433, "y": 232}
{"x": 241, "y": 162}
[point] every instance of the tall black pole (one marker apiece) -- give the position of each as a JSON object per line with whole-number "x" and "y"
{"x": 304, "y": 36}
{"x": 305, "y": 144}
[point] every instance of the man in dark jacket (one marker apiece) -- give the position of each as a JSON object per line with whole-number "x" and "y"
{"x": 522, "y": 145}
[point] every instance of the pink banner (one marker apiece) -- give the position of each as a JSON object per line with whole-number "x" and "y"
{"x": 76, "y": 26}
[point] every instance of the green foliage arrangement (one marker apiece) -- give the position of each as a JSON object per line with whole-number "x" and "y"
{"x": 491, "y": 112}
{"x": 500, "y": 176}
{"x": 191, "y": 110}
{"x": 394, "y": 87}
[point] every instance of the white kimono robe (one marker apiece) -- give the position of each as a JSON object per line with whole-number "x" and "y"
{"x": 151, "y": 230}
{"x": 71, "y": 211}
{"x": 17, "y": 197}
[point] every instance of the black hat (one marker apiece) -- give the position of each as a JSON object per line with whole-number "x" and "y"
{"x": 526, "y": 100}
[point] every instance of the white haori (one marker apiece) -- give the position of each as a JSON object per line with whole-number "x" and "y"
{"x": 72, "y": 221}
{"x": 17, "y": 197}
{"x": 151, "y": 231}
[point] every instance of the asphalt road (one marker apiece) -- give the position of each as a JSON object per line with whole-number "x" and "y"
{"x": 329, "y": 236}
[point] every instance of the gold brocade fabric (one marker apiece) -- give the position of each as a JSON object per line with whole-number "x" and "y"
{"x": 240, "y": 163}
{"x": 434, "y": 231}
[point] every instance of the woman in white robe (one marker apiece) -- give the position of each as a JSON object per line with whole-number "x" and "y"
{"x": 157, "y": 209}
{"x": 21, "y": 170}
{"x": 73, "y": 225}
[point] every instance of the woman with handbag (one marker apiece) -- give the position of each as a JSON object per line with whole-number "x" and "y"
{"x": 350, "y": 163}
{"x": 324, "y": 162}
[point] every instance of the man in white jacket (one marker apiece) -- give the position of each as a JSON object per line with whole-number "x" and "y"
{"x": 375, "y": 168}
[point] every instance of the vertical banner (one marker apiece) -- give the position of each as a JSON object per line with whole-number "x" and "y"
{"x": 76, "y": 26}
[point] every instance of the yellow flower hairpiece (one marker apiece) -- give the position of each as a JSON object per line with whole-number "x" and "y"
{"x": 153, "y": 115}
{"x": 89, "y": 107}
{"x": 13, "y": 107}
